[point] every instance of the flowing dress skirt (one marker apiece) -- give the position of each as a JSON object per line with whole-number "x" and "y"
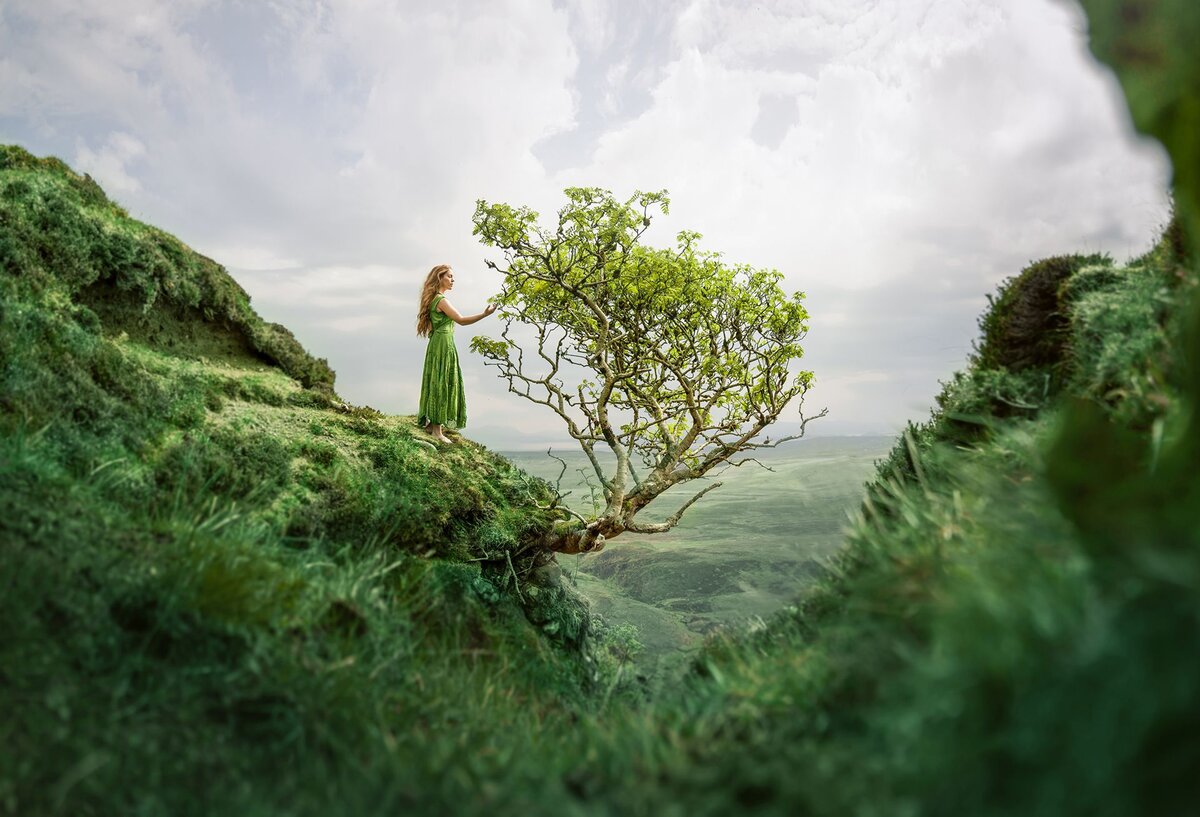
{"x": 443, "y": 400}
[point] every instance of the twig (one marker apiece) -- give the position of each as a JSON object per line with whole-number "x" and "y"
{"x": 755, "y": 460}
{"x": 516, "y": 581}
{"x": 557, "y": 482}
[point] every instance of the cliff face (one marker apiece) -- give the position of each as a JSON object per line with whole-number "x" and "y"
{"x": 62, "y": 235}
{"x": 125, "y": 349}
{"x": 204, "y": 551}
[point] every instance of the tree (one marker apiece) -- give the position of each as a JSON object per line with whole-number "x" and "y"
{"x": 671, "y": 360}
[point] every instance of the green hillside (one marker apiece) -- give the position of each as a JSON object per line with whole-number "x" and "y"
{"x": 223, "y": 590}
{"x": 213, "y": 569}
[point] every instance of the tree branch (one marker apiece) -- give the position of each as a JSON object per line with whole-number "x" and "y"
{"x": 672, "y": 520}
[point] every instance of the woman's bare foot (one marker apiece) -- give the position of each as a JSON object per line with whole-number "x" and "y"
{"x": 435, "y": 430}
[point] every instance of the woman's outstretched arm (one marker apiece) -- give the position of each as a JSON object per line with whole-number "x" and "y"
{"x": 461, "y": 320}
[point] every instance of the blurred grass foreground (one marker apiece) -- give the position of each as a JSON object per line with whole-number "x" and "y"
{"x": 223, "y": 590}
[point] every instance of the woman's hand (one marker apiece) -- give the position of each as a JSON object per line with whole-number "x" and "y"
{"x": 489, "y": 309}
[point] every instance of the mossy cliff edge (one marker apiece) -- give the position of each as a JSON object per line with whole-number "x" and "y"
{"x": 132, "y": 361}
{"x": 198, "y": 536}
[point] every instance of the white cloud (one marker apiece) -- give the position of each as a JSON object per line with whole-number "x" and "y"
{"x": 109, "y": 165}
{"x": 594, "y": 29}
{"x": 336, "y": 287}
{"x": 249, "y": 258}
{"x": 949, "y": 120}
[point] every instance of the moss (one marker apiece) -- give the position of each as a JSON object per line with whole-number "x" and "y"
{"x": 1122, "y": 338}
{"x": 319, "y": 452}
{"x": 553, "y": 606}
{"x": 61, "y": 232}
{"x": 1024, "y": 326}
{"x": 235, "y": 557}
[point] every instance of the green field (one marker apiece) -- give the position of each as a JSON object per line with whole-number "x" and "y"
{"x": 745, "y": 551}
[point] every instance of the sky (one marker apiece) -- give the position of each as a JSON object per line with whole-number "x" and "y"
{"x": 896, "y": 161}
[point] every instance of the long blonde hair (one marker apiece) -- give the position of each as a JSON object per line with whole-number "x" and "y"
{"x": 432, "y": 286}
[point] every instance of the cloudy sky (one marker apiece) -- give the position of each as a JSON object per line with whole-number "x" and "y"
{"x": 895, "y": 160}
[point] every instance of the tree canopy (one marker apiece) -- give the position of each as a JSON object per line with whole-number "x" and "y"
{"x": 671, "y": 359}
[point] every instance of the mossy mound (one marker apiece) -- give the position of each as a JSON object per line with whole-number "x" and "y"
{"x": 1001, "y": 633}
{"x": 214, "y": 569}
{"x": 1071, "y": 325}
{"x": 121, "y": 345}
{"x": 1024, "y": 326}
{"x": 62, "y": 235}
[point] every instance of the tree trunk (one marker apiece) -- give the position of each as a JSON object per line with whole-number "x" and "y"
{"x": 584, "y": 539}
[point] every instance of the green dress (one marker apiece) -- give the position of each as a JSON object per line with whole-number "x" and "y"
{"x": 443, "y": 401}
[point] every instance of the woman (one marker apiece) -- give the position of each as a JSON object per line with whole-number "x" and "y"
{"x": 443, "y": 402}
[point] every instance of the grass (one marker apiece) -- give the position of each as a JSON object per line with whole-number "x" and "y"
{"x": 205, "y": 653}
{"x": 222, "y": 589}
{"x": 216, "y": 573}
{"x": 997, "y": 638}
